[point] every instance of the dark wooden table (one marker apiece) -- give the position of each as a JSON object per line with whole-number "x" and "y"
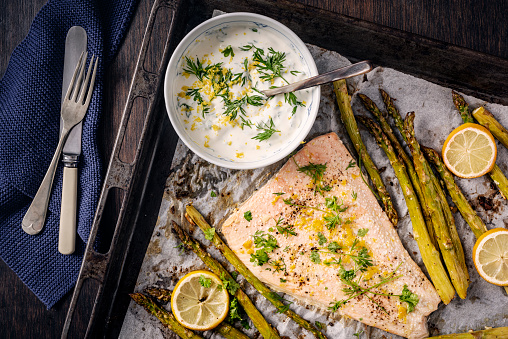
{"x": 477, "y": 25}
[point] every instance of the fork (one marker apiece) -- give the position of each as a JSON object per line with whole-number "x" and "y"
{"x": 73, "y": 110}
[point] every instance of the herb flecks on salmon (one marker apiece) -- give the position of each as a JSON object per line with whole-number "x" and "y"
{"x": 344, "y": 254}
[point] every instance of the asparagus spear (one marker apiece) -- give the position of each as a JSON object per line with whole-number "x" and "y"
{"x": 429, "y": 253}
{"x": 465, "y": 209}
{"x": 166, "y": 318}
{"x": 346, "y": 114}
{"x": 387, "y": 130}
{"x": 496, "y": 174}
{"x": 486, "y": 119}
{"x": 491, "y": 333}
{"x": 462, "y": 107}
{"x": 438, "y": 190}
{"x": 264, "y": 328}
{"x": 194, "y": 217}
{"x": 458, "y": 275}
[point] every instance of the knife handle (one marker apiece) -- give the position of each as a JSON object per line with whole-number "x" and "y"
{"x": 67, "y": 235}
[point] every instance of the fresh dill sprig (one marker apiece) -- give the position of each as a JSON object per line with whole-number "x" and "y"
{"x": 353, "y": 289}
{"x": 291, "y": 99}
{"x": 195, "y": 68}
{"x": 268, "y": 130}
{"x": 316, "y": 173}
{"x": 195, "y": 94}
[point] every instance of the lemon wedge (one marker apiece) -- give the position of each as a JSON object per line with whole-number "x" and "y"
{"x": 490, "y": 255}
{"x": 470, "y": 151}
{"x": 198, "y": 303}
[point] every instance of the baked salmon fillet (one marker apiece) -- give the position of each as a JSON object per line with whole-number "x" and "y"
{"x": 316, "y": 232}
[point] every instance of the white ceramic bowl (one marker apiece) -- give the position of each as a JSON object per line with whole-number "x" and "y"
{"x": 286, "y": 36}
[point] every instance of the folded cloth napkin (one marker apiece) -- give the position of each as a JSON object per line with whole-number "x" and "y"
{"x": 30, "y": 96}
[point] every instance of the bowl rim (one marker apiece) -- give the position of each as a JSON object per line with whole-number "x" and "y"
{"x": 293, "y": 38}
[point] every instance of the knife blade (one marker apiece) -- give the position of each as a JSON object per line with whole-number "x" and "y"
{"x": 75, "y": 44}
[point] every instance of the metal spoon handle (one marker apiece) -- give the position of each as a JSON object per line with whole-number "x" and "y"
{"x": 361, "y": 67}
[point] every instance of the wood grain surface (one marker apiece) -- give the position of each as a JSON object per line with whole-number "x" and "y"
{"x": 477, "y": 25}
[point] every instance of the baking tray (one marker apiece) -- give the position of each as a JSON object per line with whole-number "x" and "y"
{"x": 142, "y": 181}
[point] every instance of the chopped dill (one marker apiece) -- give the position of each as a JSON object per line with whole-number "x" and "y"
{"x": 228, "y": 51}
{"x": 268, "y": 130}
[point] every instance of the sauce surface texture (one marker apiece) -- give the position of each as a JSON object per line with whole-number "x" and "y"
{"x": 217, "y": 92}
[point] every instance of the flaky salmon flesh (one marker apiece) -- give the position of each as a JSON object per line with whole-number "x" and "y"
{"x": 316, "y": 232}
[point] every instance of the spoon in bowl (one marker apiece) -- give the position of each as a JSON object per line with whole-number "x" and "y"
{"x": 359, "y": 68}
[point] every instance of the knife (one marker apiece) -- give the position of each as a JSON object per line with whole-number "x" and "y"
{"x": 75, "y": 44}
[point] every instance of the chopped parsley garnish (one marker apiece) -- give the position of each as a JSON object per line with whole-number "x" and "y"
{"x": 267, "y": 128}
{"x": 283, "y": 280}
{"x": 279, "y": 193}
{"x": 236, "y": 312}
{"x": 410, "y": 298}
{"x": 204, "y": 281}
{"x": 354, "y": 195}
{"x": 333, "y": 219}
{"x": 213, "y": 194}
{"x": 322, "y": 239}
{"x": 228, "y": 51}
{"x": 266, "y": 244}
{"x": 314, "y": 257}
{"x": 209, "y": 233}
{"x": 357, "y": 334}
{"x": 229, "y": 284}
{"x": 334, "y": 247}
{"x": 248, "y": 215}
{"x": 362, "y": 232}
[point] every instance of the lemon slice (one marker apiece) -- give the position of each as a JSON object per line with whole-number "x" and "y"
{"x": 490, "y": 255}
{"x": 470, "y": 151}
{"x": 198, "y": 307}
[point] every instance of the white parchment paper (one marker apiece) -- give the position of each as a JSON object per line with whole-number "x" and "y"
{"x": 193, "y": 180}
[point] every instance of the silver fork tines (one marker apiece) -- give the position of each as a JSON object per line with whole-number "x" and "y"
{"x": 73, "y": 110}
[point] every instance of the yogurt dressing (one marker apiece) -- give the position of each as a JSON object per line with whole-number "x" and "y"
{"x": 206, "y": 123}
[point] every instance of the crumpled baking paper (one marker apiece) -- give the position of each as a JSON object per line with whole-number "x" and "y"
{"x": 193, "y": 180}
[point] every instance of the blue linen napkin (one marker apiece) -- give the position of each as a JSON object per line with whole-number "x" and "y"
{"x": 30, "y": 96}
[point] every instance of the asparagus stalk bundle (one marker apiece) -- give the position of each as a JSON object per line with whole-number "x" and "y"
{"x": 430, "y": 255}
{"x": 346, "y": 114}
{"x": 491, "y": 333}
{"x": 449, "y": 250}
{"x": 468, "y": 213}
{"x": 465, "y": 209}
{"x": 165, "y": 317}
{"x": 496, "y": 174}
{"x": 194, "y": 217}
{"x": 264, "y": 328}
{"x": 388, "y": 131}
{"x": 486, "y": 119}
{"x": 439, "y": 194}
{"x": 168, "y": 319}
